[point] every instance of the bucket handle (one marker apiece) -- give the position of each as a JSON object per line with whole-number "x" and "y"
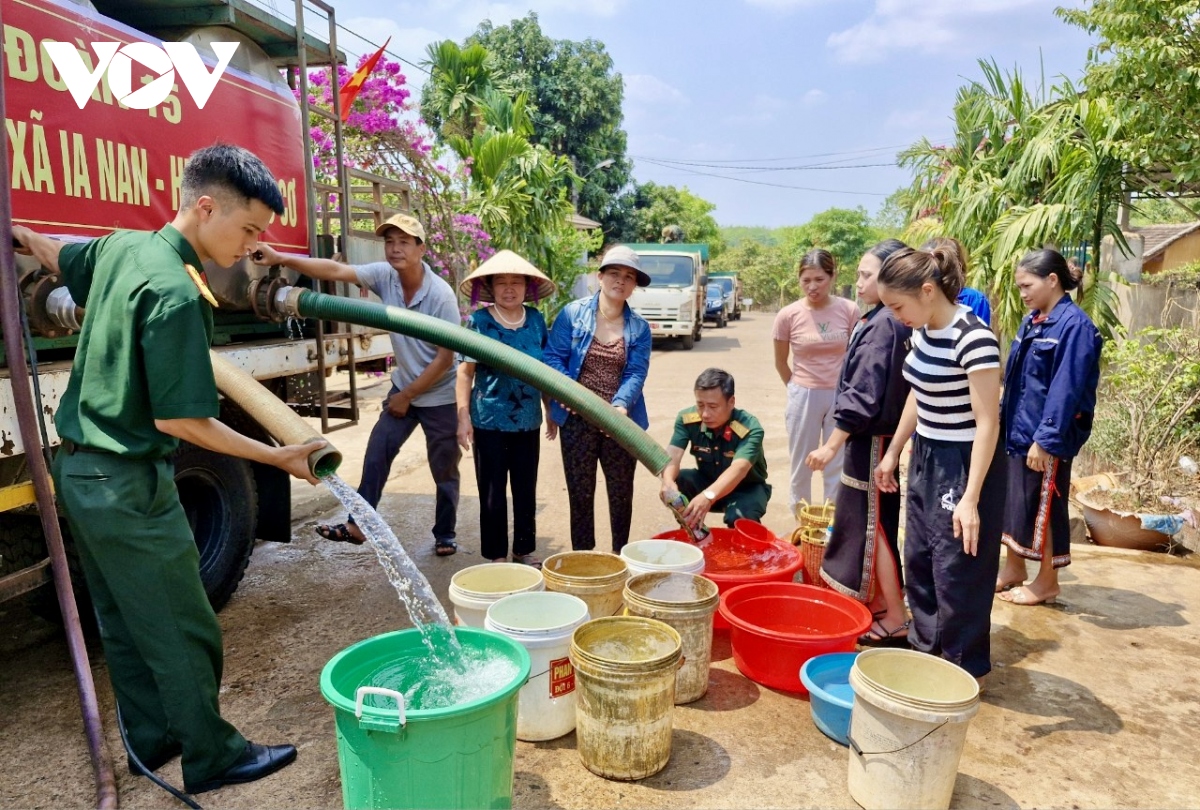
{"x": 859, "y": 752}
{"x": 375, "y": 722}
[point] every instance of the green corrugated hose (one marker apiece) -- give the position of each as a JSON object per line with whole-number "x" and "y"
{"x": 440, "y": 333}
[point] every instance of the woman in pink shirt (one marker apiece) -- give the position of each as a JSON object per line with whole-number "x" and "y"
{"x": 814, "y": 331}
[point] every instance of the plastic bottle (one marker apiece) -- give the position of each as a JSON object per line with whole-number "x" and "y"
{"x": 676, "y": 501}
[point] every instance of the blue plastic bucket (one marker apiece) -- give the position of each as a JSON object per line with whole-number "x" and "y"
{"x": 456, "y": 757}
{"x": 827, "y": 678}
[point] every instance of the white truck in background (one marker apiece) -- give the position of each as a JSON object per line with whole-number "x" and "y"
{"x": 673, "y": 304}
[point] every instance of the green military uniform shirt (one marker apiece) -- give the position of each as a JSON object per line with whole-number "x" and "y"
{"x": 143, "y": 351}
{"x": 741, "y": 438}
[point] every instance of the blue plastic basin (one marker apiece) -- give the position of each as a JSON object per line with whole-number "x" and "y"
{"x": 827, "y": 678}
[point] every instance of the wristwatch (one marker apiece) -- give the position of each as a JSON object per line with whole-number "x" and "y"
{"x": 708, "y": 493}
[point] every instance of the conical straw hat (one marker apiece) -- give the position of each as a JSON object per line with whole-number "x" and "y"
{"x": 539, "y": 288}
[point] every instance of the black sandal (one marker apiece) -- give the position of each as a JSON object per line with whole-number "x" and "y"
{"x": 885, "y": 637}
{"x": 445, "y": 548}
{"x": 338, "y": 533}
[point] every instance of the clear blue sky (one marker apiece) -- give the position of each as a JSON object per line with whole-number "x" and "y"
{"x": 765, "y": 83}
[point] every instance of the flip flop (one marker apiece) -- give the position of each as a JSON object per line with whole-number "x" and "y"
{"x": 338, "y": 533}
{"x": 1024, "y": 597}
{"x": 445, "y": 548}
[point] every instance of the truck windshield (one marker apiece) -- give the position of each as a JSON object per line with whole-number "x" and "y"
{"x": 725, "y": 282}
{"x": 668, "y": 271}
{"x": 714, "y": 291}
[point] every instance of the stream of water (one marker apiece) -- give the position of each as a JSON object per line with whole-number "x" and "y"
{"x": 448, "y": 674}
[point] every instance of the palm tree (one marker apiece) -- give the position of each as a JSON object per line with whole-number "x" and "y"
{"x": 1023, "y": 171}
{"x": 460, "y": 81}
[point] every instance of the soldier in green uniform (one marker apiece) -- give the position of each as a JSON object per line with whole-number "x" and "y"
{"x": 142, "y": 381}
{"x": 731, "y": 469}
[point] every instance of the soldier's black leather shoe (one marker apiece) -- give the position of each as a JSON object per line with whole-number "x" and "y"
{"x": 255, "y": 762}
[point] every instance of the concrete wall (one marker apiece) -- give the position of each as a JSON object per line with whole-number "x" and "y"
{"x": 1113, "y": 259}
{"x": 1145, "y": 305}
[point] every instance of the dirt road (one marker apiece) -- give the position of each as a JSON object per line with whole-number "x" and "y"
{"x": 1092, "y": 703}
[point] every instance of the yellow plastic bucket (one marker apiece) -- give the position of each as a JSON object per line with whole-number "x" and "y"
{"x": 625, "y": 681}
{"x": 596, "y": 577}
{"x": 686, "y": 602}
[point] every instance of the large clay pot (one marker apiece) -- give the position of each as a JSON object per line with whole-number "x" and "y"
{"x": 1108, "y": 527}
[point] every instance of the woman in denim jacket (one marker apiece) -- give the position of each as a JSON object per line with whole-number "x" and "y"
{"x": 605, "y": 346}
{"x": 1049, "y": 399}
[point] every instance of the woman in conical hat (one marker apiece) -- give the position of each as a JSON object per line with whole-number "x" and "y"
{"x": 498, "y": 415}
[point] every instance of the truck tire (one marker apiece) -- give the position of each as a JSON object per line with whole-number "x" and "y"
{"x": 688, "y": 342}
{"x": 21, "y": 543}
{"x": 220, "y": 499}
{"x": 722, "y": 321}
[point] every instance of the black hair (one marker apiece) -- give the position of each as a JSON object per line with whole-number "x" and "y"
{"x": 907, "y": 269}
{"x": 712, "y": 378}
{"x": 1047, "y": 262}
{"x": 233, "y": 170}
{"x": 886, "y": 248}
{"x": 821, "y": 259}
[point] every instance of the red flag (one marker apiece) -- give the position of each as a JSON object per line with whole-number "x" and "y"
{"x": 350, "y": 89}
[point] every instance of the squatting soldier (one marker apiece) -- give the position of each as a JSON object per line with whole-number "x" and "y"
{"x": 731, "y": 468}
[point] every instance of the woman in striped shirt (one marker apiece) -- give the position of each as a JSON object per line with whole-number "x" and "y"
{"x": 955, "y": 487}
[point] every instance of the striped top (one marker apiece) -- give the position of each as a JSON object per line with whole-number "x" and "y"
{"x": 937, "y": 368}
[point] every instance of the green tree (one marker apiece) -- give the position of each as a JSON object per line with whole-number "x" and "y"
{"x": 1147, "y": 65}
{"x": 1162, "y": 211}
{"x": 767, "y": 272}
{"x": 460, "y": 82}
{"x": 847, "y": 233}
{"x": 1021, "y": 172}
{"x": 656, "y": 207}
{"x": 575, "y": 99}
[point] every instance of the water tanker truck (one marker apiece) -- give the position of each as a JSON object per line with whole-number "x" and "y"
{"x": 77, "y": 174}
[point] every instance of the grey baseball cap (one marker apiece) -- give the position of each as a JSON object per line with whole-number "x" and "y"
{"x": 622, "y": 256}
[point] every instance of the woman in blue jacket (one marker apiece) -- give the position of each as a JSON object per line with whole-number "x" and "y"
{"x": 605, "y": 346}
{"x": 1049, "y": 400}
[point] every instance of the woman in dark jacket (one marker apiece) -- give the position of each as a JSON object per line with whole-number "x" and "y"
{"x": 1049, "y": 399}
{"x": 862, "y": 558}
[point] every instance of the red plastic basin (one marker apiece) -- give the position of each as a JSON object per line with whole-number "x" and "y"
{"x": 728, "y": 563}
{"x": 776, "y": 626}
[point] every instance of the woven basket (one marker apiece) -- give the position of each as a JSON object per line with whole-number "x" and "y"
{"x": 813, "y": 516}
{"x": 811, "y": 540}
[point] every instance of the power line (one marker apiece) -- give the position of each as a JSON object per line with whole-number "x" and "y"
{"x": 765, "y": 183}
{"x": 810, "y": 167}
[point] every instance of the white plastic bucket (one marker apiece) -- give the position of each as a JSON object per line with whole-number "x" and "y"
{"x": 542, "y": 623}
{"x": 653, "y": 556}
{"x": 474, "y": 589}
{"x": 907, "y": 728}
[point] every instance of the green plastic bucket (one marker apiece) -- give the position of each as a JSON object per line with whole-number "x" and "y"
{"x": 457, "y": 757}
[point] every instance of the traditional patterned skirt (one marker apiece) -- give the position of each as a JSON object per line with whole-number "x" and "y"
{"x": 863, "y": 517}
{"x": 1037, "y": 507}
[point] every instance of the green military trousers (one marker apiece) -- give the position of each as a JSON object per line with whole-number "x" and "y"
{"x": 160, "y": 635}
{"x": 746, "y": 501}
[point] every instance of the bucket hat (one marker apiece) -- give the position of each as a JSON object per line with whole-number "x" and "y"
{"x": 406, "y": 223}
{"x": 622, "y": 256}
{"x": 538, "y": 288}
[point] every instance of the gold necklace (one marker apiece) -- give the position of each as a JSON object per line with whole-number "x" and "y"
{"x": 620, "y": 317}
